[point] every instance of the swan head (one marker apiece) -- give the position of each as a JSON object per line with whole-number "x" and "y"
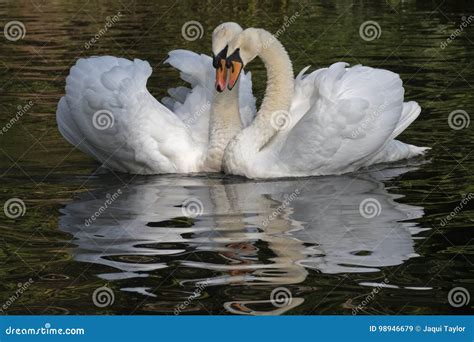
{"x": 240, "y": 51}
{"x": 221, "y": 37}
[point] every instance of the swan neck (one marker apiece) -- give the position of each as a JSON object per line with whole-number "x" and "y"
{"x": 224, "y": 124}
{"x": 279, "y": 89}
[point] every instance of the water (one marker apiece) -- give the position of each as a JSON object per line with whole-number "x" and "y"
{"x": 253, "y": 241}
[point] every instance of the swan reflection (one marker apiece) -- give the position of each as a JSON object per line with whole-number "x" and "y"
{"x": 245, "y": 237}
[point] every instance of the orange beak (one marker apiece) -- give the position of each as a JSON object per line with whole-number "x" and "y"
{"x": 221, "y": 76}
{"x": 235, "y": 69}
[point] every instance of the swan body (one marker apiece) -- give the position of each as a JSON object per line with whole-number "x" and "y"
{"x": 335, "y": 120}
{"x": 109, "y": 114}
{"x": 331, "y": 121}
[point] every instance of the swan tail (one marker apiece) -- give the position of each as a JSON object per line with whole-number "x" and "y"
{"x": 396, "y": 150}
{"x": 411, "y": 110}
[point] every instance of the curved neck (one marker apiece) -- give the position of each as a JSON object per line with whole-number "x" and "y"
{"x": 224, "y": 124}
{"x": 279, "y": 89}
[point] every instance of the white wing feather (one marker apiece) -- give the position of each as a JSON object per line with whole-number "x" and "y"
{"x": 143, "y": 137}
{"x": 146, "y": 136}
{"x": 343, "y": 118}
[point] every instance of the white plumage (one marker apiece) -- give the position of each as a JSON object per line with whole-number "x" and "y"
{"x": 142, "y": 135}
{"x": 338, "y": 119}
{"x": 352, "y": 117}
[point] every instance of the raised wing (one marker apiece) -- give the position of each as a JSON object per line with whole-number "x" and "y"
{"x": 344, "y": 117}
{"x": 108, "y": 113}
{"x": 193, "y": 105}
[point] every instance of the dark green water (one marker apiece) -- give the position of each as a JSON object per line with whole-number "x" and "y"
{"x": 318, "y": 249}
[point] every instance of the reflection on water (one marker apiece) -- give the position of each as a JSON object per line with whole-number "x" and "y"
{"x": 248, "y": 234}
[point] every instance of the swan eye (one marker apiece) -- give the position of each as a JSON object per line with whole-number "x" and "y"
{"x": 235, "y": 64}
{"x": 214, "y": 61}
{"x": 235, "y": 57}
{"x": 217, "y": 58}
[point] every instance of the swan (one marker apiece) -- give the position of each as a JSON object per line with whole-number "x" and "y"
{"x": 332, "y": 121}
{"x": 109, "y": 114}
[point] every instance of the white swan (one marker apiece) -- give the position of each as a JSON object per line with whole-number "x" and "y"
{"x": 332, "y": 121}
{"x": 108, "y": 113}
